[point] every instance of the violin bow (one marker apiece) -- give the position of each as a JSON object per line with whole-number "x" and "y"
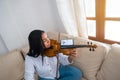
{"x": 57, "y": 66}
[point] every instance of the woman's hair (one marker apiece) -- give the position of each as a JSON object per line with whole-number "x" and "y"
{"x": 36, "y": 43}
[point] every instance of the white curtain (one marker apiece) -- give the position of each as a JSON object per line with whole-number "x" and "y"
{"x": 73, "y": 16}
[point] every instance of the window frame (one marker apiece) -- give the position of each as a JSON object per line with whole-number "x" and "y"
{"x": 100, "y": 22}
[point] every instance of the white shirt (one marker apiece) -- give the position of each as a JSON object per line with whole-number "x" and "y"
{"x": 47, "y": 69}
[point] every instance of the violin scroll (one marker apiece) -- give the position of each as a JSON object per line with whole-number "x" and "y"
{"x": 91, "y": 46}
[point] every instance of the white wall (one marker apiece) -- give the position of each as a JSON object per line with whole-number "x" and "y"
{"x": 19, "y": 17}
{"x": 3, "y": 48}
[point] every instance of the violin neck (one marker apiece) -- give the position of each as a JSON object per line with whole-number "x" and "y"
{"x": 72, "y": 46}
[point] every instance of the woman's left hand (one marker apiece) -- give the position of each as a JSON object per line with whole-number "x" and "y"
{"x": 73, "y": 53}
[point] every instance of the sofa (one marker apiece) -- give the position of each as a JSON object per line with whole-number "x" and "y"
{"x": 100, "y": 64}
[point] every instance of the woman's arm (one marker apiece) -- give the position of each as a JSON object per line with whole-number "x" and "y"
{"x": 29, "y": 69}
{"x": 65, "y": 60}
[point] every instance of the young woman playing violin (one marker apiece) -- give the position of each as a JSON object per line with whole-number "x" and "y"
{"x": 46, "y": 67}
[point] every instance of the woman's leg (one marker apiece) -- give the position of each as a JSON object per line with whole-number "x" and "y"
{"x": 69, "y": 73}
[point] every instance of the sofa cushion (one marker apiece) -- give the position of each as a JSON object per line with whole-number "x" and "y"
{"x": 110, "y": 69}
{"x": 88, "y": 61}
{"x": 24, "y": 49}
{"x": 56, "y": 36}
{"x": 11, "y": 66}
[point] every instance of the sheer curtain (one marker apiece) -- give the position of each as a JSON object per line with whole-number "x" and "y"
{"x": 72, "y": 13}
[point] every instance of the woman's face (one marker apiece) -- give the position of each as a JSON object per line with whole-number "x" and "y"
{"x": 46, "y": 40}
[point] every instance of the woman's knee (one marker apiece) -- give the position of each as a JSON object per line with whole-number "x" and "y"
{"x": 70, "y": 72}
{"x": 76, "y": 72}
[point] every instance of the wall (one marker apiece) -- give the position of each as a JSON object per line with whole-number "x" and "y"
{"x": 3, "y": 48}
{"x": 19, "y": 17}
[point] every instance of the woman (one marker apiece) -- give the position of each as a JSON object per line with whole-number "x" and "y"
{"x": 46, "y": 67}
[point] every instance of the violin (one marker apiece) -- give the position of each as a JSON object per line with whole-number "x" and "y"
{"x": 65, "y": 49}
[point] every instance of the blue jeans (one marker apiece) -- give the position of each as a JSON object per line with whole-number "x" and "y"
{"x": 67, "y": 73}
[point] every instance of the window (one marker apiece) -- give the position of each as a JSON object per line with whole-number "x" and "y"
{"x": 103, "y": 20}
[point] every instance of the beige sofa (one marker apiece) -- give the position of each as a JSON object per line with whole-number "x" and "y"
{"x": 101, "y": 64}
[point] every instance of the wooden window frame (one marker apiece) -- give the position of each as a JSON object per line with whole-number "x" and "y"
{"x": 100, "y": 22}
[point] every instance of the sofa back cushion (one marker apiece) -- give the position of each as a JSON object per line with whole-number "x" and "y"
{"x": 11, "y": 66}
{"x": 24, "y": 49}
{"x": 56, "y": 35}
{"x": 88, "y": 61}
{"x": 110, "y": 69}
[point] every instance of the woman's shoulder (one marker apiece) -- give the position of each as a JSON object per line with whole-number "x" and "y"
{"x": 30, "y": 57}
{"x": 27, "y": 57}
